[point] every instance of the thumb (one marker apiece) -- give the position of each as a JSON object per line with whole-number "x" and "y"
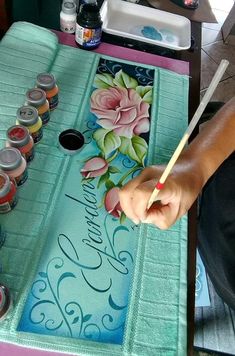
{"x": 165, "y": 210}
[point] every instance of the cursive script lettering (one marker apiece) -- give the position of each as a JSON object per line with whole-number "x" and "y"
{"x": 102, "y": 248}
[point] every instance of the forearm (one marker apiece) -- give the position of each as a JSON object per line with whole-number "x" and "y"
{"x": 194, "y": 167}
{"x": 212, "y": 146}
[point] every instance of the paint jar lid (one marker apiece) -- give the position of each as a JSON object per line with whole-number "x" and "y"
{"x": 45, "y": 81}
{"x": 18, "y": 135}
{"x": 71, "y": 141}
{"x": 36, "y": 97}
{"x": 10, "y": 158}
{"x": 5, "y": 184}
{"x": 69, "y": 7}
{"x": 27, "y": 115}
{"x": 5, "y": 301}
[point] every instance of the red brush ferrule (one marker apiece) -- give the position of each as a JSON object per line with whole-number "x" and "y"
{"x": 159, "y": 186}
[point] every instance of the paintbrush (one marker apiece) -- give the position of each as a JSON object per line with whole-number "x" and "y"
{"x": 206, "y": 98}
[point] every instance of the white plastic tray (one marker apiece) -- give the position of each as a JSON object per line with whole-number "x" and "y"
{"x": 146, "y": 24}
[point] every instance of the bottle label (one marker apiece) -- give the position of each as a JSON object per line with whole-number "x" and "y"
{"x": 45, "y": 117}
{"x": 5, "y": 207}
{"x": 13, "y": 201}
{"x": 9, "y": 205}
{"x": 22, "y": 178}
{"x": 37, "y": 135}
{"x": 68, "y": 26}
{"x": 87, "y": 37}
{"x": 29, "y": 156}
{"x": 53, "y": 101}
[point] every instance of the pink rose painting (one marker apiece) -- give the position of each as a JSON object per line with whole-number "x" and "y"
{"x": 121, "y": 107}
{"x": 121, "y": 110}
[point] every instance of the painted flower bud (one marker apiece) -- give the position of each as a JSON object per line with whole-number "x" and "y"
{"x": 94, "y": 167}
{"x": 112, "y": 203}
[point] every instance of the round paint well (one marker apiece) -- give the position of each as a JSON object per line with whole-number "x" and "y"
{"x": 71, "y": 141}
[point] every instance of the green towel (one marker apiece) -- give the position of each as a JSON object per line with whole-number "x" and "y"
{"x": 156, "y": 315}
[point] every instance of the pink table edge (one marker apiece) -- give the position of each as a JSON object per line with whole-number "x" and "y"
{"x": 174, "y": 65}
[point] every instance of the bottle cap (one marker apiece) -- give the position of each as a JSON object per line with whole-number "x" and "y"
{"x": 90, "y": 12}
{"x": 45, "y": 81}
{"x": 69, "y": 7}
{"x": 36, "y": 97}
{"x": 18, "y": 135}
{"x": 5, "y": 184}
{"x": 27, "y": 115}
{"x": 10, "y": 158}
{"x": 5, "y": 302}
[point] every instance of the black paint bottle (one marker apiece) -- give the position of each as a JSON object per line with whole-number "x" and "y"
{"x": 89, "y": 26}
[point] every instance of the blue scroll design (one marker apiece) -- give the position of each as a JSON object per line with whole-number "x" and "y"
{"x": 144, "y": 76}
{"x": 87, "y": 133}
{"x": 68, "y": 315}
{"x": 107, "y": 66}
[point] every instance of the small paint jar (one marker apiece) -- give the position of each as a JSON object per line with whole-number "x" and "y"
{"x": 13, "y": 164}
{"x": 28, "y": 116}
{"x": 89, "y": 26}
{"x": 5, "y": 302}
{"x": 47, "y": 82}
{"x": 18, "y": 136}
{"x": 68, "y": 17}
{"x": 8, "y": 194}
{"x": 37, "y": 97}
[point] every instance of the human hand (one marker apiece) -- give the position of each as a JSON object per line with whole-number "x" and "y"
{"x": 180, "y": 191}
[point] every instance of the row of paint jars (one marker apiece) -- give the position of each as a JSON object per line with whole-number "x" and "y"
{"x": 14, "y": 157}
{"x": 44, "y": 97}
{"x": 21, "y": 138}
{"x": 40, "y": 101}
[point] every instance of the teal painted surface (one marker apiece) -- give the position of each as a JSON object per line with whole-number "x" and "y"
{"x": 156, "y": 315}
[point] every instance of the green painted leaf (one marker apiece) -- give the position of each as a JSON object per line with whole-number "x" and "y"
{"x": 123, "y": 80}
{"x": 146, "y": 93}
{"x": 125, "y": 142}
{"x": 122, "y": 218}
{"x": 103, "y": 81}
{"x": 109, "y": 184}
{"x": 113, "y": 169}
{"x": 135, "y": 148}
{"x": 103, "y": 179}
{"x": 101, "y": 203}
{"x": 106, "y": 140}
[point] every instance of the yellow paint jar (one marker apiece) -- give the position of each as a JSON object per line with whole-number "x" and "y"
{"x": 28, "y": 116}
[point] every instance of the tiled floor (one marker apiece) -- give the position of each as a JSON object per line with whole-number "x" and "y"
{"x": 214, "y": 49}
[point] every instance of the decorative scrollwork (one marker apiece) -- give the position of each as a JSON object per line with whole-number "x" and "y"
{"x": 144, "y": 76}
{"x": 108, "y": 66}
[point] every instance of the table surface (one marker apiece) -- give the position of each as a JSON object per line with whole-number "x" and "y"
{"x": 193, "y": 56}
